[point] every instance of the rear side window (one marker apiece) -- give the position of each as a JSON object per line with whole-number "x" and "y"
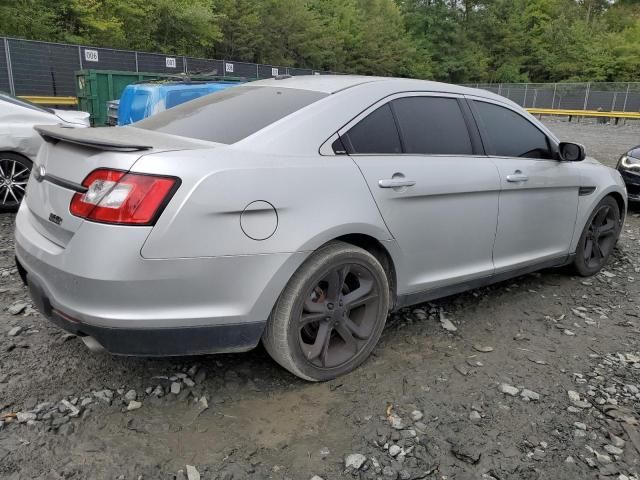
{"x": 375, "y": 134}
{"x": 232, "y": 114}
{"x": 432, "y": 126}
{"x": 510, "y": 134}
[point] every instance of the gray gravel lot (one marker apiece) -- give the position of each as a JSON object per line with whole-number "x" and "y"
{"x": 603, "y": 142}
{"x": 539, "y": 380}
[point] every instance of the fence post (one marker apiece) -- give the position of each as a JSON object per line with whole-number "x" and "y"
{"x": 613, "y": 102}
{"x": 7, "y": 52}
{"x": 80, "y": 56}
{"x": 136, "y": 55}
{"x": 500, "y": 89}
{"x": 626, "y": 96}
{"x": 524, "y": 101}
{"x": 184, "y": 65}
{"x": 257, "y": 71}
{"x": 586, "y": 96}
{"x": 535, "y": 97}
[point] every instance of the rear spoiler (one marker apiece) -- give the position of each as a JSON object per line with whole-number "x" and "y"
{"x": 98, "y": 138}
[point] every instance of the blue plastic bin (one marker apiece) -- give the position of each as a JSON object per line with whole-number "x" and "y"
{"x": 142, "y": 100}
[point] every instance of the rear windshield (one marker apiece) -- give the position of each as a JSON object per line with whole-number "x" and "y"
{"x": 232, "y": 114}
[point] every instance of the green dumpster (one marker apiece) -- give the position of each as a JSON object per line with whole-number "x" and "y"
{"x": 94, "y": 88}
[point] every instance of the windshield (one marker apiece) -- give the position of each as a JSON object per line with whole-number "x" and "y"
{"x": 23, "y": 103}
{"x": 232, "y": 114}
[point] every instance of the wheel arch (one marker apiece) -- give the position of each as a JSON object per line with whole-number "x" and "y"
{"x": 381, "y": 252}
{"x": 585, "y": 209}
{"x": 370, "y": 239}
{"x": 13, "y": 152}
{"x": 622, "y": 205}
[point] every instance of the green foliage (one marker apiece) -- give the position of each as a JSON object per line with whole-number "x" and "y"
{"x": 449, "y": 40}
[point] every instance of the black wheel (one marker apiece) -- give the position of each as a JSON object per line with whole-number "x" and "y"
{"x": 598, "y": 238}
{"x": 14, "y": 173}
{"x": 330, "y": 315}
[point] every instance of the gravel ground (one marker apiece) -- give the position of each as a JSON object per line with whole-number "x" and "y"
{"x": 539, "y": 380}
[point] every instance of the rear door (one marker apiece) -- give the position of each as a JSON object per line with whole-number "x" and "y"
{"x": 539, "y": 194}
{"x": 437, "y": 193}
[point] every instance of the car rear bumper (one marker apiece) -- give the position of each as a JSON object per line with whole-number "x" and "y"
{"x": 134, "y": 306}
{"x": 151, "y": 342}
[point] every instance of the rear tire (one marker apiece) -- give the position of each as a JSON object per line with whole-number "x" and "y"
{"x": 14, "y": 174}
{"x": 598, "y": 238}
{"x": 330, "y": 315}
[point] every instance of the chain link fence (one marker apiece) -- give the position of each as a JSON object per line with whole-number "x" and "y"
{"x": 604, "y": 96}
{"x": 29, "y": 67}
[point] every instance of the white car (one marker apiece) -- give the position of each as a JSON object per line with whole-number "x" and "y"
{"x": 19, "y": 142}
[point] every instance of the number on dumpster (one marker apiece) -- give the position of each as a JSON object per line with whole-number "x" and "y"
{"x": 90, "y": 55}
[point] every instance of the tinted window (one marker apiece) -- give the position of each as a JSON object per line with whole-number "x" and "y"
{"x": 510, "y": 134}
{"x": 376, "y": 133}
{"x": 232, "y": 114}
{"x": 432, "y": 125}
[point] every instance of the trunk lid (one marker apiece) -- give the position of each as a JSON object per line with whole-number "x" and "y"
{"x": 69, "y": 155}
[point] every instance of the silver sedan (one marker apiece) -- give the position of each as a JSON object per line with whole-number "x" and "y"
{"x": 300, "y": 211}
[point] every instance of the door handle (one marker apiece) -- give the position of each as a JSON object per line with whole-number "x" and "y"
{"x": 517, "y": 176}
{"x": 395, "y": 183}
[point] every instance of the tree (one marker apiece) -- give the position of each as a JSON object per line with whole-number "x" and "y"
{"x": 452, "y": 40}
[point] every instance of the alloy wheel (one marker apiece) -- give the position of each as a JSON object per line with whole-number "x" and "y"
{"x": 338, "y": 316}
{"x": 601, "y": 237}
{"x": 13, "y": 181}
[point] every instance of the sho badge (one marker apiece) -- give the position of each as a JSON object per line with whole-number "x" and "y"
{"x": 55, "y": 218}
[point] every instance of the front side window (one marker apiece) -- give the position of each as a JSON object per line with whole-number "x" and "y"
{"x": 510, "y": 134}
{"x": 432, "y": 126}
{"x": 374, "y": 134}
{"x": 232, "y": 114}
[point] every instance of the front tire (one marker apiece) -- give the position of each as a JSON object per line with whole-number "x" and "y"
{"x": 330, "y": 315}
{"x": 14, "y": 174}
{"x": 598, "y": 238}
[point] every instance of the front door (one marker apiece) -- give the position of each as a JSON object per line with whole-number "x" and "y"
{"x": 539, "y": 194}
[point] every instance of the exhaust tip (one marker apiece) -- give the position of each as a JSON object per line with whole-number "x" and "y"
{"x": 93, "y": 345}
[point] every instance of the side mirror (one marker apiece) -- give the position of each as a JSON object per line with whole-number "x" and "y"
{"x": 571, "y": 152}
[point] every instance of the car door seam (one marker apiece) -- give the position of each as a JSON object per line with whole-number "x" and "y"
{"x": 495, "y": 233}
{"x": 373, "y": 198}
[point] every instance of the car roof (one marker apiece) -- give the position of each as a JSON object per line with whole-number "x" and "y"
{"x": 336, "y": 83}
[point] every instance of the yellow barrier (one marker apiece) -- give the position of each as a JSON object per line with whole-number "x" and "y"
{"x": 584, "y": 113}
{"x": 51, "y": 100}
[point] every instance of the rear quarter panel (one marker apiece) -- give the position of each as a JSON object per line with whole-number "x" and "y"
{"x": 16, "y": 129}
{"x": 316, "y": 199}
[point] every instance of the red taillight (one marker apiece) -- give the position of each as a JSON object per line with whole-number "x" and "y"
{"x": 122, "y": 198}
